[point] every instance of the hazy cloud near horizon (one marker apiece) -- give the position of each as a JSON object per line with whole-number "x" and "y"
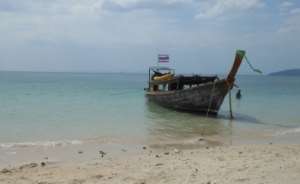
{"x": 126, "y": 35}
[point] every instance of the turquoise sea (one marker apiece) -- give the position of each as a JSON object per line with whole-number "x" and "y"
{"x": 37, "y": 107}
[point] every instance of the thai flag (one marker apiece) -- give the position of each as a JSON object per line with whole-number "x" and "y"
{"x": 163, "y": 58}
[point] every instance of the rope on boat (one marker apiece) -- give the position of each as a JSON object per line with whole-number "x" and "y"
{"x": 211, "y": 98}
{"x": 230, "y": 88}
{"x": 230, "y": 105}
{"x": 251, "y": 66}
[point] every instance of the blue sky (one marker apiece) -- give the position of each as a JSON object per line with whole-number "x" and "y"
{"x": 201, "y": 36}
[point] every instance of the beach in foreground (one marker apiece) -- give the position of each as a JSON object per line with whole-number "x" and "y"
{"x": 261, "y": 163}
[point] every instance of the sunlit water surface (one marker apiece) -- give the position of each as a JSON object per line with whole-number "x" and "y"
{"x": 41, "y": 107}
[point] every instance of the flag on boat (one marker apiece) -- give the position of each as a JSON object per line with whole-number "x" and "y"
{"x": 163, "y": 58}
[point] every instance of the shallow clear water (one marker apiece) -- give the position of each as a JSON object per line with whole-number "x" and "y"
{"x": 68, "y": 106}
{"x": 270, "y": 99}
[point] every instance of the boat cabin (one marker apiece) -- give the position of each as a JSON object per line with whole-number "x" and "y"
{"x": 164, "y": 79}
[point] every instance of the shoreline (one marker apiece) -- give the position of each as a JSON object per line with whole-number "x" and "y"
{"x": 67, "y": 150}
{"x": 246, "y": 156}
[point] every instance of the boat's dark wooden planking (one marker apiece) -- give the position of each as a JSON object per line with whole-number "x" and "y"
{"x": 203, "y": 98}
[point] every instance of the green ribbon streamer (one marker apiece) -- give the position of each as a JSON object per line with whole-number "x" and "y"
{"x": 251, "y": 66}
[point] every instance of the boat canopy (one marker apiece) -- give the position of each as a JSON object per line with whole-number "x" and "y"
{"x": 160, "y": 68}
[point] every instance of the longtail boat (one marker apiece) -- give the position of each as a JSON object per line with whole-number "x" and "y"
{"x": 194, "y": 93}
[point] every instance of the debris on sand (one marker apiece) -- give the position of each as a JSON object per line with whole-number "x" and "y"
{"x": 77, "y": 181}
{"x": 201, "y": 139}
{"x": 80, "y": 152}
{"x": 5, "y": 171}
{"x": 98, "y": 176}
{"x": 28, "y": 166}
{"x": 176, "y": 151}
{"x": 43, "y": 182}
{"x": 102, "y": 153}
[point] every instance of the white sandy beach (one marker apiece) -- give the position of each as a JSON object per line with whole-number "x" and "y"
{"x": 264, "y": 163}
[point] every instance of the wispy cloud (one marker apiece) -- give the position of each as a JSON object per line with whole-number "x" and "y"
{"x": 215, "y": 8}
{"x": 290, "y": 14}
{"x": 285, "y": 7}
{"x": 295, "y": 11}
{"x": 291, "y": 24}
{"x": 286, "y": 4}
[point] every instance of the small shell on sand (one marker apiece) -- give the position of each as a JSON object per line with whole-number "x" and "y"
{"x": 176, "y": 151}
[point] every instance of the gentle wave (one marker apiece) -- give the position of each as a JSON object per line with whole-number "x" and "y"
{"x": 289, "y": 131}
{"x": 41, "y": 143}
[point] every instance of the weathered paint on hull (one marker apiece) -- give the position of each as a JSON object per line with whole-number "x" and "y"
{"x": 204, "y": 98}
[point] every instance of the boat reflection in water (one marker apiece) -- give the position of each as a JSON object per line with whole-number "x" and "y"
{"x": 169, "y": 128}
{"x": 173, "y": 129}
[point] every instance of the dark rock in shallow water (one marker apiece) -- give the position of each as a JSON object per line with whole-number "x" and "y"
{"x": 43, "y": 164}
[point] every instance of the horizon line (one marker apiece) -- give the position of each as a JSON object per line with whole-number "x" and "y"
{"x": 111, "y": 72}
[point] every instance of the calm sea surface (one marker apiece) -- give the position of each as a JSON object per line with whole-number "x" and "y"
{"x": 75, "y": 106}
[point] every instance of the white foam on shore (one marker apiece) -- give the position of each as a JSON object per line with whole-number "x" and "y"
{"x": 289, "y": 131}
{"x": 40, "y": 143}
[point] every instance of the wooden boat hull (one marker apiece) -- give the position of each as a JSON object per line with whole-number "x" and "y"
{"x": 205, "y": 98}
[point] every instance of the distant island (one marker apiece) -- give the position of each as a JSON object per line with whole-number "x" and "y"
{"x": 291, "y": 72}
